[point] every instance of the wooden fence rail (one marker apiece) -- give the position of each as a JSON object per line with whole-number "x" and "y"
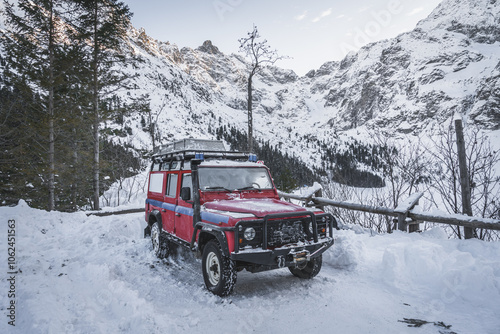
{"x": 404, "y": 211}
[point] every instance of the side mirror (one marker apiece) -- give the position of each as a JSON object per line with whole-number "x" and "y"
{"x": 186, "y": 194}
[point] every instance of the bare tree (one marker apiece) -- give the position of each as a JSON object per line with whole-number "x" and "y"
{"x": 260, "y": 54}
{"x": 482, "y": 160}
{"x": 405, "y": 165}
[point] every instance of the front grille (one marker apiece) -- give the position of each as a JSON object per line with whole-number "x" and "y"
{"x": 283, "y": 229}
{"x": 281, "y": 232}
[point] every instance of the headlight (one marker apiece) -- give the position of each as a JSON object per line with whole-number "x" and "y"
{"x": 249, "y": 233}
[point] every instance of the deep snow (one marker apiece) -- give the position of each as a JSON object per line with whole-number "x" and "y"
{"x": 98, "y": 275}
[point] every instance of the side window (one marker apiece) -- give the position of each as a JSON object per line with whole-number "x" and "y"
{"x": 187, "y": 182}
{"x": 156, "y": 183}
{"x": 155, "y": 167}
{"x": 172, "y": 185}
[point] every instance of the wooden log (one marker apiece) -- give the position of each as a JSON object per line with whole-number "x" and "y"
{"x": 354, "y": 206}
{"x": 456, "y": 219}
{"x": 122, "y": 212}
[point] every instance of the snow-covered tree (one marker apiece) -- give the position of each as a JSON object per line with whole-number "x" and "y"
{"x": 260, "y": 54}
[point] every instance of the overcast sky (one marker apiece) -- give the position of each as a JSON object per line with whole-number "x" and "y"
{"x": 312, "y": 32}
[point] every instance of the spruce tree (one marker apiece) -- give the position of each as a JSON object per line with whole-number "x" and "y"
{"x": 101, "y": 25}
{"x": 32, "y": 45}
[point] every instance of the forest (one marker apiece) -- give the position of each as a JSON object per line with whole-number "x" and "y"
{"x": 57, "y": 84}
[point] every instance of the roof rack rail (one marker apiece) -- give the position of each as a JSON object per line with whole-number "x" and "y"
{"x": 192, "y": 145}
{"x": 188, "y": 149}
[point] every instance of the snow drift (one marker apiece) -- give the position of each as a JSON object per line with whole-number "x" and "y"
{"x": 87, "y": 274}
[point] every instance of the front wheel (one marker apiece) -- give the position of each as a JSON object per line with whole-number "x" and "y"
{"x": 309, "y": 270}
{"x": 219, "y": 272}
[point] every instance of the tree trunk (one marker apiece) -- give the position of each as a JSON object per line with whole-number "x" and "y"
{"x": 250, "y": 116}
{"x": 95, "y": 107}
{"x": 152, "y": 130}
{"x": 74, "y": 180}
{"x": 51, "y": 115}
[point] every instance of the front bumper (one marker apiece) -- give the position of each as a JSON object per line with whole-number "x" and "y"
{"x": 283, "y": 256}
{"x": 288, "y": 254}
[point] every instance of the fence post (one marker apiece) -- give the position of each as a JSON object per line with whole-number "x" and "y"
{"x": 402, "y": 222}
{"x": 319, "y": 193}
{"x": 403, "y": 209}
{"x": 464, "y": 176}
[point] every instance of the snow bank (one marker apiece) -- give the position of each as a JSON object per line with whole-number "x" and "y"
{"x": 82, "y": 274}
{"x": 126, "y": 193}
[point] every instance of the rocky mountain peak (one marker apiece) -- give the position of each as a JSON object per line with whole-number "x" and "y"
{"x": 208, "y": 47}
{"x": 479, "y": 20}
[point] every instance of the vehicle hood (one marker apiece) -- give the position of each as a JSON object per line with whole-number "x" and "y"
{"x": 257, "y": 207}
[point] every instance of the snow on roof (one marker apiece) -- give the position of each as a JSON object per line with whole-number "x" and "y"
{"x": 224, "y": 163}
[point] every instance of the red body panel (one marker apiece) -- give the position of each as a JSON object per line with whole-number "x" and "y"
{"x": 258, "y": 207}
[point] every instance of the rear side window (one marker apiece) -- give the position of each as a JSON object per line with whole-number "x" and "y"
{"x": 172, "y": 185}
{"x": 156, "y": 183}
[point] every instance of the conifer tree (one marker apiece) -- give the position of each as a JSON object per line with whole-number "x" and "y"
{"x": 101, "y": 25}
{"x": 32, "y": 45}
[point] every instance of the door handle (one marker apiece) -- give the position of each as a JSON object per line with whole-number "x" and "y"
{"x": 163, "y": 210}
{"x": 177, "y": 214}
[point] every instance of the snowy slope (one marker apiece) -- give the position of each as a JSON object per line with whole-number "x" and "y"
{"x": 450, "y": 63}
{"x": 82, "y": 274}
{"x": 411, "y": 84}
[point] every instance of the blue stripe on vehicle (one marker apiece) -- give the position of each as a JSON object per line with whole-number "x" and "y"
{"x": 154, "y": 202}
{"x": 206, "y": 216}
{"x": 183, "y": 210}
{"x": 214, "y": 218}
{"x": 168, "y": 206}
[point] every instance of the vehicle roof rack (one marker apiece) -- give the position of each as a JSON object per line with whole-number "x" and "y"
{"x": 187, "y": 149}
{"x": 191, "y": 145}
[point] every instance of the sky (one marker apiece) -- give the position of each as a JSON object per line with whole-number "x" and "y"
{"x": 310, "y": 32}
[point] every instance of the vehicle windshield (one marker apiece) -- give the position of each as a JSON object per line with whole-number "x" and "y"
{"x": 234, "y": 178}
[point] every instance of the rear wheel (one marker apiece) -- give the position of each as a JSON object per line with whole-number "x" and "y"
{"x": 219, "y": 272}
{"x": 159, "y": 241}
{"x": 309, "y": 270}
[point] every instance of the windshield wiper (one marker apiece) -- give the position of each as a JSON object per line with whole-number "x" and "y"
{"x": 217, "y": 188}
{"x": 249, "y": 188}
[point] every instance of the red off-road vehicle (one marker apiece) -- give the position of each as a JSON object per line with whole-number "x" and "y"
{"x": 224, "y": 206}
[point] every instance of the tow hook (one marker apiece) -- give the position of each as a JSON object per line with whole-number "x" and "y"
{"x": 300, "y": 257}
{"x": 281, "y": 261}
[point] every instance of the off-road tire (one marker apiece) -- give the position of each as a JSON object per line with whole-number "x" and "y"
{"x": 310, "y": 270}
{"x": 219, "y": 272}
{"x": 160, "y": 242}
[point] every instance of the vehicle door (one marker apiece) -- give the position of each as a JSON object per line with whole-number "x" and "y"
{"x": 170, "y": 202}
{"x": 156, "y": 189}
{"x": 184, "y": 211}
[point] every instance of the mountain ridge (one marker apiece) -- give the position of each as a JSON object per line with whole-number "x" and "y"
{"x": 407, "y": 85}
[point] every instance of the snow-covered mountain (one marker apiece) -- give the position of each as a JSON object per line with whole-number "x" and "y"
{"x": 412, "y": 83}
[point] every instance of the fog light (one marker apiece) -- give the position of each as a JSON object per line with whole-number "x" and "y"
{"x": 249, "y": 233}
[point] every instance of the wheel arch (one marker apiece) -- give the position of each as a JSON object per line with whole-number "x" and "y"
{"x": 205, "y": 236}
{"x": 154, "y": 216}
